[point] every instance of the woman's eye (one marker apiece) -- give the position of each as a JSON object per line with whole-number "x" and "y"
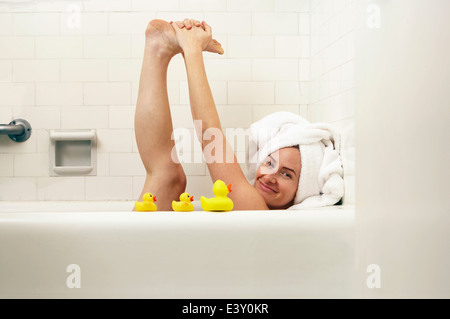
{"x": 286, "y": 174}
{"x": 269, "y": 163}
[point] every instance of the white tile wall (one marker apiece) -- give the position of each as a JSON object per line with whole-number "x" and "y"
{"x": 76, "y": 65}
{"x": 331, "y": 76}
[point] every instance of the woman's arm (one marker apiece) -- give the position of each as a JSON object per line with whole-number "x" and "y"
{"x": 204, "y": 109}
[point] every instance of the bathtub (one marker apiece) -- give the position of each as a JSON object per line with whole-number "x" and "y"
{"x": 102, "y": 250}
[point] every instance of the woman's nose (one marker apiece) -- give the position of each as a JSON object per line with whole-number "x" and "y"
{"x": 270, "y": 178}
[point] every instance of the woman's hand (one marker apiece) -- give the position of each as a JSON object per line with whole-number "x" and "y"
{"x": 192, "y": 35}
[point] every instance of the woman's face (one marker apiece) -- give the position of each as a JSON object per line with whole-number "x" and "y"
{"x": 277, "y": 177}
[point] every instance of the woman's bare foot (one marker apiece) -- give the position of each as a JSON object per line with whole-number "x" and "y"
{"x": 160, "y": 36}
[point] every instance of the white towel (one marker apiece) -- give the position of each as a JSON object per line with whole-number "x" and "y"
{"x": 321, "y": 178}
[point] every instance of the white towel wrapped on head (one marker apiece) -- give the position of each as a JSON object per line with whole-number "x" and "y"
{"x": 321, "y": 177}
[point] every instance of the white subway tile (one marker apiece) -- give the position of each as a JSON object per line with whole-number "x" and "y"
{"x": 203, "y": 5}
{"x": 5, "y": 71}
{"x": 5, "y": 23}
{"x": 42, "y": 140}
{"x": 109, "y": 188}
{"x": 228, "y": 69}
{"x": 42, "y": 117}
{"x": 251, "y": 5}
{"x": 235, "y": 116}
{"x": 348, "y": 76}
{"x": 84, "y": 117}
{"x": 275, "y": 69}
{"x": 134, "y": 147}
{"x": 84, "y": 70}
{"x": 350, "y": 46}
{"x": 346, "y": 104}
{"x": 336, "y": 80}
{"x": 260, "y": 111}
{"x": 135, "y": 92}
{"x": 287, "y": 93}
{"x": 61, "y": 188}
{"x": 129, "y": 22}
{"x": 17, "y": 94}
{"x": 316, "y": 112}
{"x": 124, "y": 69}
{"x": 59, "y": 6}
{"x": 104, "y": 93}
{"x": 180, "y": 16}
{"x": 181, "y": 116}
{"x": 126, "y": 164}
{"x": 121, "y": 116}
{"x": 305, "y": 92}
{"x": 303, "y": 111}
{"x": 194, "y": 169}
{"x": 304, "y": 69}
{"x": 347, "y": 19}
{"x": 251, "y": 46}
{"x": 177, "y": 70}
{"x": 138, "y": 184}
{"x": 199, "y": 186}
{"x": 346, "y": 128}
{"x": 6, "y": 165}
{"x": 137, "y": 46}
{"x": 36, "y": 164}
{"x": 274, "y": 23}
{"x": 18, "y": 188}
{"x": 349, "y": 184}
{"x": 115, "y": 140}
{"x": 102, "y": 164}
{"x": 61, "y": 94}
{"x": 36, "y": 23}
{"x": 304, "y": 24}
{"x": 84, "y": 23}
{"x": 236, "y": 23}
{"x": 173, "y": 91}
{"x": 292, "y": 5}
{"x": 59, "y": 47}
{"x": 107, "y": 5}
{"x": 294, "y": 46}
{"x": 35, "y": 70}
{"x": 18, "y": 7}
{"x": 16, "y": 47}
{"x": 154, "y": 5}
{"x": 112, "y": 46}
{"x": 6, "y": 114}
{"x": 348, "y": 160}
{"x": 251, "y": 93}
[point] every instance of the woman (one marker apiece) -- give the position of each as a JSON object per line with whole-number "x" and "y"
{"x": 276, "y": 180}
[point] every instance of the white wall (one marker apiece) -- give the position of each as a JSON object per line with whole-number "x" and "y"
{"x": 59, "y": 75}
{"x": 402, "y": 92}
{"x": 331, "y": 79}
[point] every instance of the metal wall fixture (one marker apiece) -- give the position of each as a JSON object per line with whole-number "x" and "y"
{"x": 18, "y": 130}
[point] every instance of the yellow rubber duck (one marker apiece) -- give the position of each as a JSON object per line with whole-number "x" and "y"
{"x": 220, "y": 203}
{"x": 147, "y": 204}
{"x": 184, "y": 205}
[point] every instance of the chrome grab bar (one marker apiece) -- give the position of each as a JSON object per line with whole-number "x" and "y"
{"x": 18, "y": 130}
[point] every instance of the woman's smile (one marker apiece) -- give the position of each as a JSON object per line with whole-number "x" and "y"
{"x": 265, "y": 187}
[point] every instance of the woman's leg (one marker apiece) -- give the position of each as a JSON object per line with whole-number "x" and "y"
{"x": 153, "y": 123}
